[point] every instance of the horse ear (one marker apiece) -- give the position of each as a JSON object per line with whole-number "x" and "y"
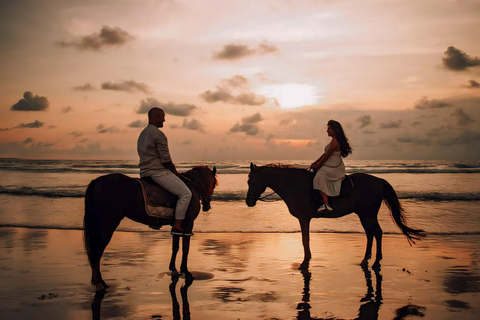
{"x": 214, "y": 170}
{"x": 252, "y": 166}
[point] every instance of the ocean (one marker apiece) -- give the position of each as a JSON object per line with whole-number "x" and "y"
{"x": 441, "y": 197}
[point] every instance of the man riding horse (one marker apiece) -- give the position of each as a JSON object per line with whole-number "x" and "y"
{"x": 156, "y": 163}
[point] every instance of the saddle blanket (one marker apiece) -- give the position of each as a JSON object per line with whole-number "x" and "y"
{"x": 158, "y": 202}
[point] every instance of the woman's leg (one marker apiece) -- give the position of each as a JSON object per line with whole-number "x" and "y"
{"x": 325, "y": 198}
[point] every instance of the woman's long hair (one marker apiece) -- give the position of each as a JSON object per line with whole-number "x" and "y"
{"x": 341, "y": 138}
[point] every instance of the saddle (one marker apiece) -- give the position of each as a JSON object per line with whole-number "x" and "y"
{"x": 159, "y": 202}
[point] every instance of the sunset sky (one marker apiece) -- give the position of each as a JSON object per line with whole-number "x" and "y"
{"x": 240, "y": 79}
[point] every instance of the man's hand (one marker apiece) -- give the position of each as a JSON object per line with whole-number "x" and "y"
{"x": 170, "y": 166}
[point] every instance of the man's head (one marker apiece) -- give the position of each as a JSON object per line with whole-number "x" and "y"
{"x": 156, "y": 116}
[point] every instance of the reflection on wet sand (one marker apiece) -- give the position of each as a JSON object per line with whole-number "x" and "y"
{"x": 370, "y": 303}
{"x": 116, "y": 310}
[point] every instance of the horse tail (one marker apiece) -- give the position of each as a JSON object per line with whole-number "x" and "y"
{"x": 396, "y": 210}
{"x": 90, "y": 223}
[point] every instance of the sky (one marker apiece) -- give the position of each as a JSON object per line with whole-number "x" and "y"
{"x": 240, "y": 80}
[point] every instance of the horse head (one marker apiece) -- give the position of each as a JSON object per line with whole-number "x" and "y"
{"x": 256, "y": 185}
{"x": 206, "y": 181}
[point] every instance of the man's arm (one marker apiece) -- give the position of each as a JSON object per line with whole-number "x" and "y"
{"x": 170, "y": 166}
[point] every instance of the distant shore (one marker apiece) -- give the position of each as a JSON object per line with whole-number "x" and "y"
{"x": 239, "y": 276}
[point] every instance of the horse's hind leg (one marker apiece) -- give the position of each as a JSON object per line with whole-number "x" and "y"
{"x": 185, "y": 251}
{"x": 377, "y": 231}
{"x": 367, "y": 226}
{"x": 103, "y": 240}
{"x": 305, "y": 227}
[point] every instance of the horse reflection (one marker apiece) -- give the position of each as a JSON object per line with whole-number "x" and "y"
{"x": 99, "y": 295}
{"x": 369, "y": 308}
{"x": 184, "y": 295}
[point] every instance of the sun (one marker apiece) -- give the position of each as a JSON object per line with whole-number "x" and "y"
{"x": 291, "y": 95}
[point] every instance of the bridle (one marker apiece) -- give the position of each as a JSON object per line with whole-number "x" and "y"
{"x": 205, "y": 199}
{"x": 254, "y": 198}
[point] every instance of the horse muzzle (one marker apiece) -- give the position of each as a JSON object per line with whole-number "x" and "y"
{"x": 250, "y": 201}
{"x": 206, "y": 206}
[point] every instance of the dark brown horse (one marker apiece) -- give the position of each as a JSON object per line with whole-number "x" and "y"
{"x": 295, "y": 187}
{"x": 112, "y": 197}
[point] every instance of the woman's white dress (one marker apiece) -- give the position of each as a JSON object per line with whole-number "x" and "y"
{"x": 328, "y": 178}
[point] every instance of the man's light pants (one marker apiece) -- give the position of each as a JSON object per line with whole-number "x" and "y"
{"x": 172, "y": 183}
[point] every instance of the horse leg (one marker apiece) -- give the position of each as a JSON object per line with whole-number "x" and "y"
{"x": 185, "y": 251}
{"x": 102, "y": 243}
{"x": 368, "y": 232}
{"x": 305, "y": 227}
{"x": 377, "y": 231}
{"x": 175, "y": 248}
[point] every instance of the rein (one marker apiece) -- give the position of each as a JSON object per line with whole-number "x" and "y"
{"x": 200, "y": 191}
{"x": 266, "y": 196}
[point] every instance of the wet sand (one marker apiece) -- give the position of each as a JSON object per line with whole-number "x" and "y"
{"x": 45, "y": 275}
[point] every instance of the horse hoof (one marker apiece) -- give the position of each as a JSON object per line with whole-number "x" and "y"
{"x": 99, "y": 287}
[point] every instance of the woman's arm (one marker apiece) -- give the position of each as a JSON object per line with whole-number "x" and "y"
{"x": 331, "y": 148}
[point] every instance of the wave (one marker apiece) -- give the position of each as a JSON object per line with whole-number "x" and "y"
{"x": 225, "y": 196}
{"x": 237, "y": 167}
{"x": 166, "y": 230}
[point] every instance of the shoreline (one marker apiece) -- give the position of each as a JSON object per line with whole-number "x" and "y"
{"x": 239, "y": 276}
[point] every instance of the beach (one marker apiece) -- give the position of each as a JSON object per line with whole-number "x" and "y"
{"x": 239, "y": 276}
{"x": 245, "y": 259}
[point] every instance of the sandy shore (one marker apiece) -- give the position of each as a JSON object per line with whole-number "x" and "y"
{"x": 239, "y": 276}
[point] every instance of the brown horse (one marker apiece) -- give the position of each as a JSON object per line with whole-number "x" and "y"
{"x": 295, "y": 187}
{"x": 112, "y": 197}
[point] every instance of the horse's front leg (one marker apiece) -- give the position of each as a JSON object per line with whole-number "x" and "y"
{"x": 175, "y": 248}
{"x": 185, "y": 251}
{"x": 305, "y": 227}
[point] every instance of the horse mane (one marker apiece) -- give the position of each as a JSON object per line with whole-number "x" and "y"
{"x": 278, "y": 165}
{"x": 188, "y": 173}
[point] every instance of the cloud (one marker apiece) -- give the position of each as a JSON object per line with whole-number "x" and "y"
{"x": 265, "y": 48}
{"x": 368, "y": 132}
{"x": 107, "y": 37}
{"x": 76, "y": 134}
{"x": 238, "y": 51}
{"x": 221, "y": 94}
{"x": 85, "y": 87}
{"x": 35, "y": 124}
{"x": 473, "y": 84}
{"x": 237, "y": 81}
{"x": 67, "y": 109}
{"x": 424, "y": 103}
{"x": 27, "y": 147}
{"x": 101, "y": 128}
{"x": 128, "y": 86}
{"x": 243, "y": 96}
{"x": 286, "y": 122}
{"x": 30, "y": 103}
{"x": 138, "y": 124}
{"x": 457, "y": 60}
{"x": 233, "y": 52}
{"x": 250, "y": 98}
{"x": 248, "y": 125}
{"x": 467, "y": 137}
{"x": 463, "y": 119}
{"x": 364, "y": 121}
{"x": 391, "y": 124}
{"x": 414, "y": 140}
{"x": 181, "y": 110}
{"x": 193, "y": 125}
{"x": 416, "y": 123}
